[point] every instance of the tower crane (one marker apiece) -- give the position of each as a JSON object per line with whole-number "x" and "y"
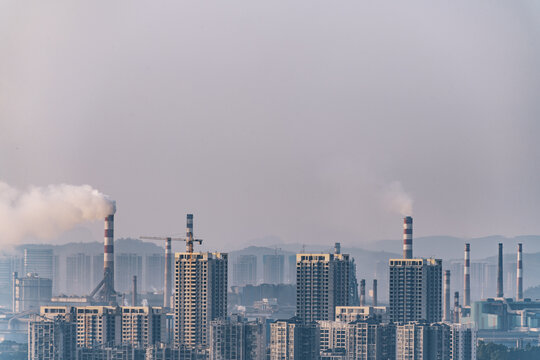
{"x": 168, "y": 255}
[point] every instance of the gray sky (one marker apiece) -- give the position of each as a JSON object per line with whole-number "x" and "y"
{"x": 286, "y": 118}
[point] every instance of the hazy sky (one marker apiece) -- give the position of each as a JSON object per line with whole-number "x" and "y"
{"x": 280, "y": 118}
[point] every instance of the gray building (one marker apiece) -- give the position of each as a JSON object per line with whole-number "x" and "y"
{"x": 52, "y": 338}
{"x": 154, "y": 272}
{"x": 245, "y": 270}
{"x": 415, "y": 290}
{"x": 236, "y": 339}
{"x": 78, "y": 274}
{"x": 323, "y": 281}
{"x": 273, "y": 269}
{"x": 126, "y": 266}
{"x": 294, "y": 340}
{"x": 39, "y": 260}
{"x": 423, "y": 341}
{"x": 30, "y": 292}
{"x": 200, "y": 295}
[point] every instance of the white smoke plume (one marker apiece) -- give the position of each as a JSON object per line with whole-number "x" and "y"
{"x": 45, "y": 212}
{"x": 397, "y": 200}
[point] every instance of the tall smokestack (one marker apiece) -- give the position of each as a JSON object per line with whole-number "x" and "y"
{"x": 168, "y": 272}
{"x": 15, "y": 275}
{"x": 108, "y": 259}
{"x": 456, "y": 307}
{"x": 374, "y": 292}
{"x": 520, "y": 273}
{"x": 446, "y": 309}
{"x": 337, "y": 248}
{"x": 189, "y": 226}
{"x": 500, "y": 290}
{"x": 407, "y": 238}
{"x": 362, "y": 292}
{"x": 467, "y": 276}
{"x": 134, "y": 291}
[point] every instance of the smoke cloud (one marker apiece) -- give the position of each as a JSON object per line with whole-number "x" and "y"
{"x": 45, "y": 212}
{"x": 397, "y": 200}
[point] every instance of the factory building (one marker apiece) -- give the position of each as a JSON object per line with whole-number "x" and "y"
{"x": 30, "y": 292}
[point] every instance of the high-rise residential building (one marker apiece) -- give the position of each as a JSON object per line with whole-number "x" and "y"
{"x": 154, "y": 272}
{"x": 127, "y": 266}
{"x": 294, "y": 340}
{"x": 78, "y": 274}
{"x": 245, "y": 270}
{"x": 273, "y": 268}
{"x": 291, "y": 267}
{"x": 370, "y": 339}
{"x": 143, "y": 326}
{"x": 415, "y": 288}
{"x": 98, "y": 325}
{"x": 200, "y": 295}
{"x": 323, "y": 281}
{"x": 463, "y": 342}
{"x": 235, "y": 338}
{"x": 423, "y": 341}
{"x": 97, "y": 269}
{"x": 39, "y": 260}
{"x": 6, "y": 278}
{"x": 52, "y": 338}
{"x": 30, "y": 292}
{"x": 333, "y": 335}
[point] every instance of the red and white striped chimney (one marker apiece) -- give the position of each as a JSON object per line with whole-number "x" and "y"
{"x": 108, "y": 252}
{"x": 519, "y": 273}
{"x": 407, "y": 238}
{"x": 467, "y": 276}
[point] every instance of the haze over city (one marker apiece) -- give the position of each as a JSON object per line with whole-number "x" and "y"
{"x": 300, "y": 121}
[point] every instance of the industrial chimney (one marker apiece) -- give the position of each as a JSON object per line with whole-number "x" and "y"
{"x": 456, "y": 307}
{"x": 134, "y": 291}
{"x": 374, "y": 292}
{"x": 467, "y": 276}
{"x": 407, "y": 238}
{"x": 168, "y": 276}
{"x": 105, "y": 289}
{"x": 363, "y": 292}
{"x": 519, "y": 273}
{"x": 500, "y": 289}
{"x": 446, "y": 309}
{"x": 108, "y": 254}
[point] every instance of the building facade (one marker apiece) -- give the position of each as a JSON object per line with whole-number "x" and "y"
{"x": 200, "y": 295}
{"x": 294, "y": 340}
{"x": 415, "y": 290}
{"x": 323, "y": 281}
